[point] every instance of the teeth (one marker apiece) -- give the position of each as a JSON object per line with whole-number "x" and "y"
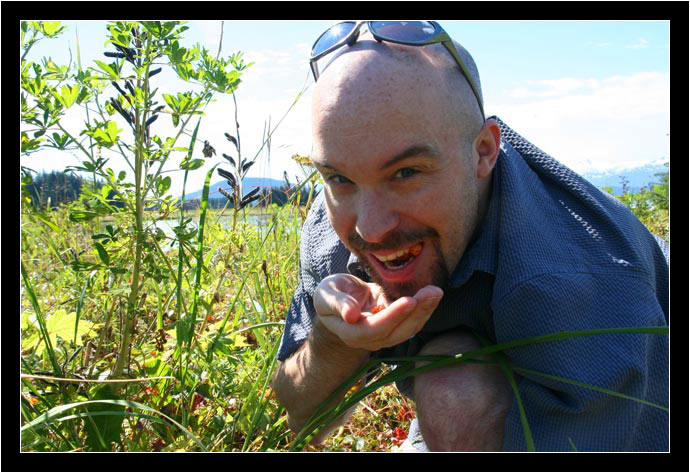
{"x": 394, "y": 256}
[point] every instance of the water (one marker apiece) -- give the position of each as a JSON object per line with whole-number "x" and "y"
{"x": 167, "y": 225}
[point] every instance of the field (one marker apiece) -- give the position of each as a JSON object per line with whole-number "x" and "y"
{"x": 220, "y": 396}
{"x": 138, "y": 338}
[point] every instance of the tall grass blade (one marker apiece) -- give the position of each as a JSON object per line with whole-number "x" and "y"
{"x": 252, "y": 264}
{"x": 41, "y": 322}
{"x": 50, "y": 415}
{"x": 200, "y": 254}
{"x": 181, "y": 257}
{"x": 589, "y": 386}
{"x": 505, "y": 367}
{"x": 258, "y": 412}
{"x": 80, "y": 303}
{"x": 323, "y": 417}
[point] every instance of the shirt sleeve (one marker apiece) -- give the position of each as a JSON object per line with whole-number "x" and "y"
{"x": 563, "y": 416}
{"x": 321, "y": 254}
{"x": 301, "y": 312}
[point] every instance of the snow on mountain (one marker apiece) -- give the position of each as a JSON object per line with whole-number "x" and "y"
{"x": 638, "y": 175}
{"x": 248, "y": 184}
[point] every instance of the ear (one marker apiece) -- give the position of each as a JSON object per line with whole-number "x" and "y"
{"x": 487, "y": 145}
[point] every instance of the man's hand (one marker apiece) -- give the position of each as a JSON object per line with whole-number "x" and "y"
{"x": 344, "y": 305}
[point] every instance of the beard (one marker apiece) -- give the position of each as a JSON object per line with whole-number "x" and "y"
{"x": 438, "y": 273}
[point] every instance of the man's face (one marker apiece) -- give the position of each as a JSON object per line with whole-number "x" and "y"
{"x": 400, "y": 187}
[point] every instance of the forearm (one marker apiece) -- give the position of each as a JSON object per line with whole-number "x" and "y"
{"x": 313, "y": 373}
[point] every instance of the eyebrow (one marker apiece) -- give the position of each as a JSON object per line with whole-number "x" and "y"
{"x": 412, "y": 151}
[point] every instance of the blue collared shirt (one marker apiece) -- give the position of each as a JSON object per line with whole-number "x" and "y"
{"x": 553, "y": 254}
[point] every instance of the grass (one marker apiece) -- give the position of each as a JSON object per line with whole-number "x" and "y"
{"x": 211, "y": 392}
{"x": 203, "y": 344}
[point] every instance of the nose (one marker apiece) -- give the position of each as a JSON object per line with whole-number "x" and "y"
{"x": 376, "y": 217}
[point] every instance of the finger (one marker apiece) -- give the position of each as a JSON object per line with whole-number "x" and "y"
{"x": 341, "y": 295}
{"x": 429, "y": 292}
{"x": 426, "y": 303}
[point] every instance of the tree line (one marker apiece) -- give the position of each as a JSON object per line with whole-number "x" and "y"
{"x": 57, "y": 187}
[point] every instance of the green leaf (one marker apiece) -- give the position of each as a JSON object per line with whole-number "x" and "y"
{"x": 51, "y": 28}
{"x": 61, "y": 324}
{"x": 102, "y": 253}
{"x": 68, "y": 95}
{"x": 83, "y": 266}
{"x": 82, "y": 215}
{"x": 44, "y": 219}
{"x": 108, "y": 69}
{"x": 103, "y": 430}
{"x": 191, "y": 164}
{"x": 162, "y": 185}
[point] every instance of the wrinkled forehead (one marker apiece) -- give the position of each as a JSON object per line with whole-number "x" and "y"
{"x": 372, "y": 74}
{"x": 370, "y": 58}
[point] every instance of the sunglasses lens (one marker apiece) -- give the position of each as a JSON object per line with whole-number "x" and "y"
{"x": 404, "y": 30}
{"x": 332, "y": 36}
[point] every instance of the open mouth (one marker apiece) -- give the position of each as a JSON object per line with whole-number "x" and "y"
{"x": 401, "y": 258}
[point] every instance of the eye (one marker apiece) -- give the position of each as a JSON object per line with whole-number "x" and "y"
{"x": 404, "y": 173}
{"x": 338, "y": 179}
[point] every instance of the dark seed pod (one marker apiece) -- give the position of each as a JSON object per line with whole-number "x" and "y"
{"x": 122, "y": 92}
{"x": 127, "y": 116}
{"x": 129, "y": 87}
{"x": 127, "y": 52}
{"x": 130, "y": 52}
{"x": 246, "y": 166}
{"x": 155, "y": 71}
{"x": 251, "y": 196}
{"x": 115, "y": 55}
{"x": 225, "y": 193}
{"x": 227, "y": 175}
{"x": 232, "y": 139}
{"x": 208, "y": 150}
{"x": 246, "y": 201}
{"x": 151, "y": 120}
{"x": 229, "y": 158}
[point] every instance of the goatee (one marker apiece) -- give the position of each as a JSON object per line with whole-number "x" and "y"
{"x": 439, "y": 273}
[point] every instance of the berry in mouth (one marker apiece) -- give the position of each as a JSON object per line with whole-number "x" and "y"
{"x": 400, "y": 259}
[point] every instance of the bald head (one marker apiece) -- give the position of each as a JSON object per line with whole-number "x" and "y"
{"x": 408, "y": 79}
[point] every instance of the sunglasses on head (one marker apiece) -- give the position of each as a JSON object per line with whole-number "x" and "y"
{"x": 411, "y": 33}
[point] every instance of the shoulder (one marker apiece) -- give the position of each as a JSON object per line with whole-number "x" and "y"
{"x": 554, "y": 221}
{"x": 322, "y": 252}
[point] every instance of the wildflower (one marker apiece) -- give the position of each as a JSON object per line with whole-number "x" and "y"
{"x": 157, "y": 445}
{"x": 198, "y": 399}
{"x": 404, "y": 415}
{"x": 399, "y": 436}
{"x": 32, "y": 400}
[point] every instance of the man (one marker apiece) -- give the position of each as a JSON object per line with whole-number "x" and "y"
{"x": 460, "y": 227}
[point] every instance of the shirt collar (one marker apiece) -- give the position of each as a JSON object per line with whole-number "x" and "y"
{"x": 481, "y": 254}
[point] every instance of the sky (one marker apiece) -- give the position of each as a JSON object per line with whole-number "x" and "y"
{"x": 593, "y": 94}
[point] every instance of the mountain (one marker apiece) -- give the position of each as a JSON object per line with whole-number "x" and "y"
{"x": 248, "y": 184}
{"x": 638, "y": 176}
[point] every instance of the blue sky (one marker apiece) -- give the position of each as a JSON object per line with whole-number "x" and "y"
{"x": 593, "y": 94}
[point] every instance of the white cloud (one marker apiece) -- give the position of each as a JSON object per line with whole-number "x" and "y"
{"x": 552, "y": 88}
{"x": 641, "y": 44}
{"x": 593, "y": 122}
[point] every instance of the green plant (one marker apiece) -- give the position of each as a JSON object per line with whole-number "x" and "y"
{"x": 128, "y": 256}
